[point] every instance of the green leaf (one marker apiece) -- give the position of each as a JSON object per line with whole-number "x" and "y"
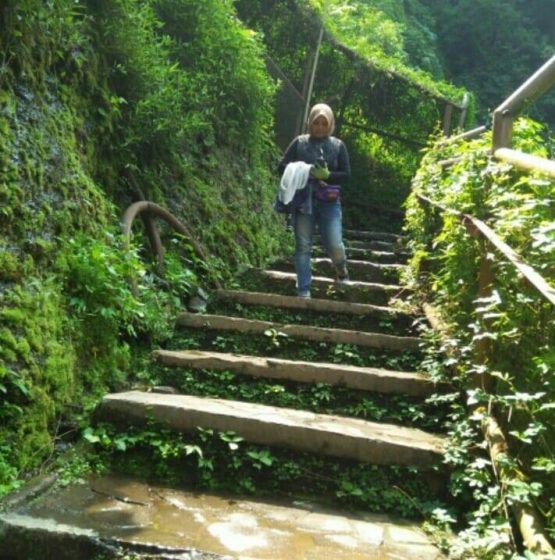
{"x": 90, "y": 436}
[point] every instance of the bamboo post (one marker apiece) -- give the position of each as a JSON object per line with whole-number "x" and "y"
{"x": 447, "y": 116}
{"x": 527, "y": 518}
{"x": 313, "y": 74}
{"x": 483, "y": 348}
{"x": 464, "y": 110}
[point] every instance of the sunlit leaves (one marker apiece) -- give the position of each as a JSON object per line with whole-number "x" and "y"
{"x": 505, "y": 332}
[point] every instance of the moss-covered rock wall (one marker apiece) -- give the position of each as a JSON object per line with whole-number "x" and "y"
{"x": 101, "y": 99}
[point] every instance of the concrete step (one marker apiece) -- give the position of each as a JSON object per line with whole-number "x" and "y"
{"x": 368, "y": 255}
{"x": 361, "y": 292}
{"x": 313, "y": 304}
{"x": 361, "y": 378}
{"x": 350, "y": 438}
{"x": 336, "y": 314}
{"x": 373, "y": 235}
{"x": 304, "y": 332}
{"x": 96, "y": 516}
{"x": 370, "y": 245}
{"x": 358, "y": 269}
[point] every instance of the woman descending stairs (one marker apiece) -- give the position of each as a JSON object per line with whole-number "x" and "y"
{"x": 349, "y": 340}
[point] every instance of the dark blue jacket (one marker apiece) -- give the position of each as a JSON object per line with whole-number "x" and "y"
{"x": 308, "y": 149}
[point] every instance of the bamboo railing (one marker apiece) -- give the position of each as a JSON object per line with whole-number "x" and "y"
{"x": 527, "y": 518}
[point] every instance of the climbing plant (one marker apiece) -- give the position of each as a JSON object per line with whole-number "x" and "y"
{"x": 102, "y": 103}
{"x": 516, "y": 320}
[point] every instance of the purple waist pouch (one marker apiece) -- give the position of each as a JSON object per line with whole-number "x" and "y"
{"x": 328, "y": 193}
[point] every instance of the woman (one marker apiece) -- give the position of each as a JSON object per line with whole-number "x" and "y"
{"x": 319, "y": 202}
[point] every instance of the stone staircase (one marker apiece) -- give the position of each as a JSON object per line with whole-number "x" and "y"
{"x": 355, "y": 317}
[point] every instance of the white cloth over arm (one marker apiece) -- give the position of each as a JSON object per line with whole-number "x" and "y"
{"x": 294, "y": 178}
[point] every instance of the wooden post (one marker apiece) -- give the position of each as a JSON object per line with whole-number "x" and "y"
{"x": 447, "y": 116}
{"x": 483, "y": 346}
{"x": 464, "y": 110}
{"x": 313, "y": 75}
{"x": 502, "y": 129}
{"x": 527, "y": 517}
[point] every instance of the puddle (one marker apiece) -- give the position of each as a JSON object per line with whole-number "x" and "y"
{"x": 125, "y": 509}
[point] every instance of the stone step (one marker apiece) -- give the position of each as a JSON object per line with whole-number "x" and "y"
{"x": 98, "y": 515}
{"x": 350, "y": 438}
{"x": 358, "y": 269}
{"x": 361, "y": 292}
{"x": 375, "y": 246}
{"x": 310, "y": 304}
{"x": 361, "y": 378}
{"x": 304, "y": 332}
{"x": 373, "y": 235}
{"x": 368, "y": 255}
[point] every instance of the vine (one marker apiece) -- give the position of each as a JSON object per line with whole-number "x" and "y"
{"x": 515, "y": 321}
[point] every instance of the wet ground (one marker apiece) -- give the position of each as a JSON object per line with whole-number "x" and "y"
{"x": 130, "y": 511}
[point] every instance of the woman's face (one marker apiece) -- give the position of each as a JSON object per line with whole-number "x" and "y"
{"x": 319, "y": 127}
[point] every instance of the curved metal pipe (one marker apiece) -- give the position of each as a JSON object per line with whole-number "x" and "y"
{"x": 154, "y": 209}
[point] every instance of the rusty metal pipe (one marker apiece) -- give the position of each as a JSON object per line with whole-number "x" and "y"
{"x": 154, "y": 209}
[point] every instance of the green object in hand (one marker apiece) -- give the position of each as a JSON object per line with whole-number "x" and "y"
{"x": 321, "y": 173}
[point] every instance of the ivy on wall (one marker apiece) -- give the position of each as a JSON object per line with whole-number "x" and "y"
{"x": 92, "y": 93}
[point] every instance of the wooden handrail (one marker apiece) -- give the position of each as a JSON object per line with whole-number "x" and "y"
{"x": 540, "y": 82}
{"x": 477, "y": 228}
{"x": 528, "y": 518}
{"x": 468, "y": 135}
{"x": 526, "y": 162}
{"x": 503, "y": 117}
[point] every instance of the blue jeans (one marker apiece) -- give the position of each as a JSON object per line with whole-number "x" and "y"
{"x": 328, "y": 216}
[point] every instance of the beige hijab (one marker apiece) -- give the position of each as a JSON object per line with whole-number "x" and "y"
{"x": 321, "y": 109}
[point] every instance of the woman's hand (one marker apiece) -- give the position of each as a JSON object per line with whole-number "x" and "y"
{"x": 321, "y": 173}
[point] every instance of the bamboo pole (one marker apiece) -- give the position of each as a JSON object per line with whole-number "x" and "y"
{"x": 447, "y": 117}
{"x": 313, "y": 75}
{"x": 527, "y": 518}
{"x": 526, "y": 162}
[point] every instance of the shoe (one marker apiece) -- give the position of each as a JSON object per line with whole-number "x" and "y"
{"x": 305, "y": 295}
{"x": 342, "y": 277}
